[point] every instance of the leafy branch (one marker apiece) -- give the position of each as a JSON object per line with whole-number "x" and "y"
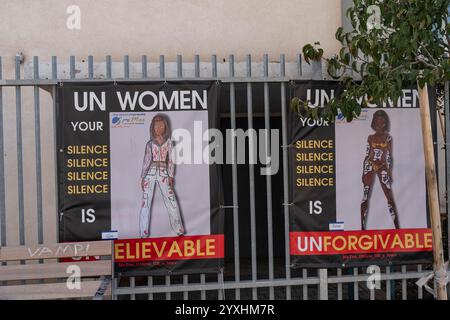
{"x": 409, "y": 45}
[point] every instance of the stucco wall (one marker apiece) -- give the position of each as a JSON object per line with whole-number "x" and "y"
{"x": 170, "y": 27}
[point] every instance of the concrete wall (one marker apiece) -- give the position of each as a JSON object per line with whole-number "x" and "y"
{"x": 134, "y": 27}
{"x": 168, "y": 27}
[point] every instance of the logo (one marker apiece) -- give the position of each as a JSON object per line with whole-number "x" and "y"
{"x": 115, "y": 120}
{"x": 340, "y": 116}
{"x": 127, "y": 120}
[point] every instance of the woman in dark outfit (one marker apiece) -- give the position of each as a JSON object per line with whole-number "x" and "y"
{"x": 378, "y": 162}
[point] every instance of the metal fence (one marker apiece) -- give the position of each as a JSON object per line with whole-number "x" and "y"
{"x": 257, "y": 264}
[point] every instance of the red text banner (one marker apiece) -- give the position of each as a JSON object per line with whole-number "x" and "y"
{"x": 170, "y": 248}
{"x": 369, "y": 241}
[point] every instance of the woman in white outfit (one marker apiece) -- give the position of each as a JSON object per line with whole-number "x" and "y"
{"x": 158, "y": 170}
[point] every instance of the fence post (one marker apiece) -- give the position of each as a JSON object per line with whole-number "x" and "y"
{"x": 323, "y": 284}
{"x": 447, "y": 154}
{"x": 447, "y": 159}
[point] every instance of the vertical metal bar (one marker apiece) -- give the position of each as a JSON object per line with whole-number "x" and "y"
{"x": 168, "y": 295}
{"x": 126, "y": 67}
{"x": 197, "y": 66}
{"x": 393, "y": 284}
{"x": 372, "y": 293}
{"x": 284, "y": 133}
{"x": 90, "y": 67}
{"x": 419, "y": 289}
{"x": 355, "y": 285}
{"x": 214, "y": 66}
{"x": 162, "y": 68}
{"x": 144, "y": 66}
{"x": 237, "y": 274}
{"x": 114, "y": 297}
{"x": 305, "y": 286}
{"x": 55, "y": 135}
{"x": 350, "y": 285}
{"x": 202, "y": 282}
{"x": 72, "y": 67}
{"x": 339, "y": 285}
{"x": 185, "y": 282}
{"x": 132, "y": 286}
{"x": 214, "y": 75}
{"x": 179, "y": 66}
{"x": 404, "y": 287}
{"x": 150, "y": 284}
{"x": 447, "y": 156}
{"x": 316, "y": 70}
{"x": 299, "y": 65}
{"x": 388, "y": 284}
{"x": 268, "y": 176}
{"x": 113, "y": 272}
{"x": 251, "y": 169}
{"x": 2, "y": 170}
{"x": 202, "y": 276}
{"x": 19, "y": 153}
{"x": 180, "y": 75}
{"x": 323, "y": 284}
{"x": 222, "y": 281}
{"x": 220, "y": 293}
{"x": 37, "y": 135}
{"x": 126, "y": 75}
{"x": 54, "y": 68}
{"x": 108, "y": 67}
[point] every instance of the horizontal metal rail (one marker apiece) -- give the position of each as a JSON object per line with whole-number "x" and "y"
{"x": 260, "y": 283}
{"x": 218, "y": 286}
{"x": 49, "y": 82}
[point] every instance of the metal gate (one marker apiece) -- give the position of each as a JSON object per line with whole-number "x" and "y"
{"x": 253, "y": 92}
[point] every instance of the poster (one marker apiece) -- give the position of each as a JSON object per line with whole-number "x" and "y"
{"x": 133, "y": 166}
{"x": 357, "y": 189}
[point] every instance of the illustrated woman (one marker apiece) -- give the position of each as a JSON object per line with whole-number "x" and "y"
{"x": 378, "y": 163}
{"x": 158, "y": 172}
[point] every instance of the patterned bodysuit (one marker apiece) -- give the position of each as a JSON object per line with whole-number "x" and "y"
{"x": 157, "y": 168}
{"x": 378, "y": 162}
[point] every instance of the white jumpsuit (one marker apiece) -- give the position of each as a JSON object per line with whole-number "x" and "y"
{"x": 157, "y": 167}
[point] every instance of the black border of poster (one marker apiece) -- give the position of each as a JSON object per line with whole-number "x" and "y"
{"x": 336, "y": 260}
{"x": 68, "y": 220}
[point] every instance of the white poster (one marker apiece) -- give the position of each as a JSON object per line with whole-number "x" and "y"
{"x": 136, "y": 204}
{"x": 407, "y": 182}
